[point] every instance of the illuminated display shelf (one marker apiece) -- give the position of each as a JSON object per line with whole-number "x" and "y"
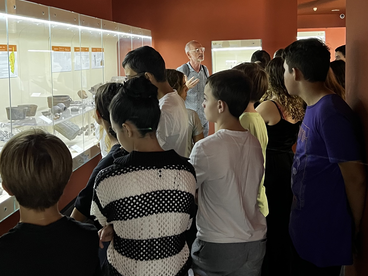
{"x": 47, "y": 56}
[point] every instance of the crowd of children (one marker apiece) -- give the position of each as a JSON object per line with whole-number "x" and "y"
{"x": 167, "y": 201}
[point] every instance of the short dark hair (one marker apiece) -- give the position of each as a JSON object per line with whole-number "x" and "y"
{"x": 258, "y": 77}
{"x": 310, "y": 56}
{"x": 146, "y": 59}
{"x": 35, "y": 167}
{"x": 338, "y": 67}
{"x": 279, "y": 53}
{"x": 137, "y": 102}
{"x": 261, "y": 57}
{"x": 341, "y": 49}
{"x": 233, "y": 87}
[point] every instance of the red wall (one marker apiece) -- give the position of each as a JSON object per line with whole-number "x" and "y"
{"x": 321, "y": 21}
{"x": 173, "y": 24}
{"x": 357, "y": 97}
{"x": 96, "y": 8}
{"x": 335, "y": 37}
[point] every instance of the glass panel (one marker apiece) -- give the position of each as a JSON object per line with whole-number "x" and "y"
{"x": 137, "y": 40}
{"x": 125, "y": 45}
{"x": 110, "y": 43}
{"x": 226, "y": 54}
{"x": 147, "y": 39}
{"x": 51, "y": 63}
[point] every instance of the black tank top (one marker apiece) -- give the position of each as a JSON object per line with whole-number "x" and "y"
{"x": 282, "y": 136}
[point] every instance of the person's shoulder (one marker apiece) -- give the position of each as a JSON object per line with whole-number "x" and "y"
{"x": 9, "y": 239}
{"x": 81, "y": 227}
{"x": 181, "y": 161}
{"x": 332, "y": 105}
{"x": 183, "y": 68}
{"x": 172, "y": 103}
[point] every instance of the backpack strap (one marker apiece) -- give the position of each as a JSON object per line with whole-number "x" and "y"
{"x": 204, "y": 70}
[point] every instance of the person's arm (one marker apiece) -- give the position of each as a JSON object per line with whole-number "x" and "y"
{"x": 269, "y": 112}
{"x": 197, "y": 133}
{"x": 200, "y": 163}
{"x": 354, "y": 176}
{"x": 198, "y": 137}
{"x": 78, "y": 215}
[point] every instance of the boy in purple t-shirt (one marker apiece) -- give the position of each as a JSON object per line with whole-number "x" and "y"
{"x": 328, "y": 180}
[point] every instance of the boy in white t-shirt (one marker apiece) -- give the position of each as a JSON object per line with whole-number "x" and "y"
{"x": 229, "y": 167}
{"x": 172, "y": 131}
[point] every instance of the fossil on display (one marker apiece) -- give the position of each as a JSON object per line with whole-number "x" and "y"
{"x": 5, "y": 135}
{"x": 16, "y": 113}
{"x": 31, "y": 109}
{"x": 82, "y": 94}
{"x": 54, "y": 100}
{"x": 46, "y": 113}
{"x": 68, "y": 129}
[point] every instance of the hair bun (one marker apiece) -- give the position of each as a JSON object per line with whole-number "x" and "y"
{"x": 140, "y": 87}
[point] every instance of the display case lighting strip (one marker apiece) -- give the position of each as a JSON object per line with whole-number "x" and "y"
{"x": 70, "y": 25}
{"x": 236, "y": 48}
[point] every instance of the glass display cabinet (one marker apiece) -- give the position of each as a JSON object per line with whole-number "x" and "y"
{"x": 228, "y": 53}
{"x": 51, "y": 64}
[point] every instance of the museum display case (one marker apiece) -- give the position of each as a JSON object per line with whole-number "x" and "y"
{"x": 228, "y": 53}
{"x": 51, "y": 63}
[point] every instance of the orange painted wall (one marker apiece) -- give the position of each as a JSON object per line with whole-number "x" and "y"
{"x": 357, "y": 97}
{"x": 321, "y": 21}
{"x": 96, "y": 8}
{"x": 173, "y": 24}
{"x": 335, "y": 37}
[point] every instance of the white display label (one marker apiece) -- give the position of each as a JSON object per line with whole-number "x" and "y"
{"x": 77, "y": 148}
{"x": 98, "y": 58}
{"x": 61, "y": 59}
{"x": 8, "y": 61}
{"x": 81, "y": 58}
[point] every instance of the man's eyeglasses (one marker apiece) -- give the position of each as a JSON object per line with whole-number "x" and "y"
{"x": 198, "y": 50}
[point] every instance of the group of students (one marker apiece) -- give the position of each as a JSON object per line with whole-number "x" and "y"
{"x": 145, "y": 194}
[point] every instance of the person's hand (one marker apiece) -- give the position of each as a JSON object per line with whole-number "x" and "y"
{"x": 191, "y": 82}
{"x": 106, "y": 234}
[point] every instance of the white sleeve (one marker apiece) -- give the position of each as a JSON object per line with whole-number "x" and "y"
{"x": 199, "y": 160}
{"x": 164, "y": 128}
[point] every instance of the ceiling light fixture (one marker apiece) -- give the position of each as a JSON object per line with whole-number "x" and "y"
{"x": 315, "y": 8}
{"x": 335, "y": 10}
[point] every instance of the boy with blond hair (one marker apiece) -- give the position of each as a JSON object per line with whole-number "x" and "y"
{"x": 35, "y": 167}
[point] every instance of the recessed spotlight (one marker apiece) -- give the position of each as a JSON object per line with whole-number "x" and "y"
{"x": 315, "y": 8}
{"x": 335, "y": 10}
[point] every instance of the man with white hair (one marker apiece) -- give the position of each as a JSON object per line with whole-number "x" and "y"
{"x": 197, "y": 75}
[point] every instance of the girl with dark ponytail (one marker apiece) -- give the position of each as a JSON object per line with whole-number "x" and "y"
{"x": 146, "y": 198}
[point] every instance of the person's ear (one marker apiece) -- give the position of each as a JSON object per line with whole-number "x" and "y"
{"x": 221, "y": 106}
{"x": 127, "y": 129}
{"x": 297, "y": 74}
{"x": 188, "y": 55}
{"x": 149, "y": 76}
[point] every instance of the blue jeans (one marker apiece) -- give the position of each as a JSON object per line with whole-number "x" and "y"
{"x": 230, "y": 259}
